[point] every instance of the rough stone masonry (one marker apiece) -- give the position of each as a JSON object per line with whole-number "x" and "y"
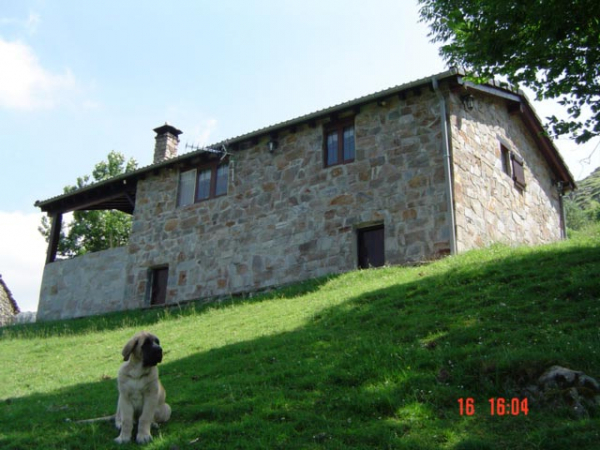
{"x": 287, "y": 217}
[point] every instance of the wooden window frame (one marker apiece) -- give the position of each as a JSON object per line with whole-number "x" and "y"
{"x": 338, "y": 127}
{"x": 513, "y": 165}
{"x": 505, "y": 157}
{"x": 213, "y": 167}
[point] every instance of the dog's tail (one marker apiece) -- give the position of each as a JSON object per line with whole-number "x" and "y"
{"x": 97, "y": 419}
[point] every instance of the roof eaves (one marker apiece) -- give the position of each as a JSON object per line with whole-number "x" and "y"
{"x": 532, "y": 120}
{"x": 123, "y": 178}
{"x": 547, "y": 144}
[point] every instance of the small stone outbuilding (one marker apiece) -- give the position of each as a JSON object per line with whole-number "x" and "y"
{"x": 8, "y": 306}
{"x": 429, "y": 168}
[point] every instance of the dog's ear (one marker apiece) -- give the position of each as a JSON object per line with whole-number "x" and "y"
{"x": 129, "y": 348}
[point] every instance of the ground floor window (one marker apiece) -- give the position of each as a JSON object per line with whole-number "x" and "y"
{"x": 371, "y": 249}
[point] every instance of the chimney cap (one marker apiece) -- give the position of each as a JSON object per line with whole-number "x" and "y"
{"x": 167, "y": 128}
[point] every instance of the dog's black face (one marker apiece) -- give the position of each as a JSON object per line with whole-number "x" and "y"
{"x": 151, "y": 351}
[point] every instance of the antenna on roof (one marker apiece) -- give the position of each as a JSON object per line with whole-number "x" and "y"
{"x": 217, "y": 151}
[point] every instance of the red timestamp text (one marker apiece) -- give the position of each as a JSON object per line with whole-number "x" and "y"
{"x": 498, "y": 406}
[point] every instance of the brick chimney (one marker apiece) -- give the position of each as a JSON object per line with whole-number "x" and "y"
{"x": 167, "y": 138}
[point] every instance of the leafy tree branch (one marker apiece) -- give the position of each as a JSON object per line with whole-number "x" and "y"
{"x": 550, "y": 46}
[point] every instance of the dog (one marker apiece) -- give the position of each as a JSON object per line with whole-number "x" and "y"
{"x": 141, "y": 395}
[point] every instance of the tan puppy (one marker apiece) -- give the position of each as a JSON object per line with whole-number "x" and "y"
{"x": 141, "y": 396}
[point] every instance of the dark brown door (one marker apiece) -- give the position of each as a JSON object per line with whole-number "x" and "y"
{"x": 159, "y": 286}
{"x": 371, "y": 250}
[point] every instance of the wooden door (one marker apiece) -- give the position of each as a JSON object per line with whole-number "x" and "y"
{"x": 371, "y": 250}
{"x": 160, "y": 278}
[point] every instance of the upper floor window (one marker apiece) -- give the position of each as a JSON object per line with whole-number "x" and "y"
{"x": 339, "y": 143}
{"x": 505, "y": 159}
{"x": 203, "y": 183}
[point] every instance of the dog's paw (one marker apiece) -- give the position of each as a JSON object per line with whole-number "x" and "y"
{"x": 122, "y": 440}
{"x": 143, "y": 438}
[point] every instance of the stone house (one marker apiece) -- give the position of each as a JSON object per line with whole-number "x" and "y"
{"x": 422, "y": 170}
{"x": 8, "y": 306}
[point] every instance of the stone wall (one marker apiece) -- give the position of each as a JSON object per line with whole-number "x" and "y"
{"x": 83, "y": 286}
{"x": 287, "y": 218}
{"x": 488, "y": 206}
{"x": 7, "y": 308}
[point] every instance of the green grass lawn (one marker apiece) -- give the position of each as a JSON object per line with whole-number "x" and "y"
{"x": 369, "y": 359}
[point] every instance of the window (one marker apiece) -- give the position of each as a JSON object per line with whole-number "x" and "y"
{"x": 505, "y": 158}
{"x": 204, "y": 183}
{"x": 187, "y": 182}
{"x": 339, "y": 143}
{"x": 513, "y": 166}
{"x": 222, "y": 177}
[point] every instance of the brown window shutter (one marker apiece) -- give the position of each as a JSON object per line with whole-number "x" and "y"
{"x": 518, "y": 171}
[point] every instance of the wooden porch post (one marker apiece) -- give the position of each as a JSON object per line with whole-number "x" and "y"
{"x": 54, "y": 237}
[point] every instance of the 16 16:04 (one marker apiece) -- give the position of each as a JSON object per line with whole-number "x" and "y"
{"x": 498, "y": 406}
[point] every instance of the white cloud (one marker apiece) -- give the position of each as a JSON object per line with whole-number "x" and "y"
{"x": 22, "y": 256}
{"x": 25, "y": 84}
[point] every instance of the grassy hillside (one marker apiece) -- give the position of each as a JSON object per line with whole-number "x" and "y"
{"x": 370, "y": 359}
{"x": 588, "y": 190}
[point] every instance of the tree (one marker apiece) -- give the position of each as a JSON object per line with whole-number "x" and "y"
{"x": 92, "y": 231}
{"x": 550, "y": 46}
{"x": 577, "y": 218}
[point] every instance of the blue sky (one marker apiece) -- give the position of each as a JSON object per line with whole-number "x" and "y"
{"x": 79, "y": 79}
